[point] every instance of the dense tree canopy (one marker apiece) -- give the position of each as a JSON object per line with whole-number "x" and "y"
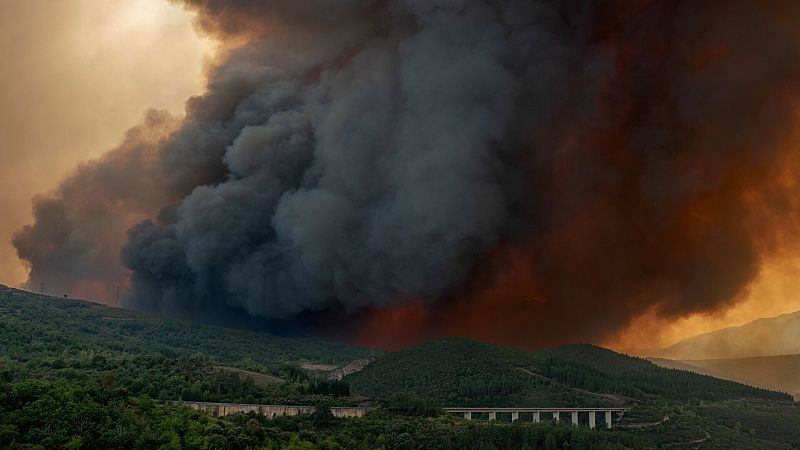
{"x": 79, "y": 375}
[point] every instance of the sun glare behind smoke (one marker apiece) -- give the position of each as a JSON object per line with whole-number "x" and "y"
{"x": 144, "y": 15}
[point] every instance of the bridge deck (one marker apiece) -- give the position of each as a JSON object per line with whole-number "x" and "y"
{"x": 223, "y": 409}
{"x": 526, "y": 410}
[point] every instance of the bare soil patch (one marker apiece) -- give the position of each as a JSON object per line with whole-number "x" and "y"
{"x": 260, "y": 379}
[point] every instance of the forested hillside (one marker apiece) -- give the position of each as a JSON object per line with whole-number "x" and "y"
{"x": 53, "y": 329}
{"x": 461, "y": 372}
{"x": 42, "y": 415}
{"x": 774, "y": 372}
{"x": 80, "y": 375}
{"x": 651, "y": 381}
{"x": 669, "y": 408}
{"x": 46, "y": 338}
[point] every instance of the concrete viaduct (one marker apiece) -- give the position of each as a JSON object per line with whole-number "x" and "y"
{"x": 537, "y": 414}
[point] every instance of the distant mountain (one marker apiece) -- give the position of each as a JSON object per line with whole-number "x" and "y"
{"x": 763, "y": 337}
{"x": 462, "y": 372}
{"x": 674, "y": 364}
{"x": 771, "y": 372}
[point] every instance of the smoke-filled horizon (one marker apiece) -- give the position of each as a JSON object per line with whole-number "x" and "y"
{"x": 526, "y": 172}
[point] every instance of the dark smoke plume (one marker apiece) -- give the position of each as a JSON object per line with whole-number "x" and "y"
{"x": 495, "y": 168}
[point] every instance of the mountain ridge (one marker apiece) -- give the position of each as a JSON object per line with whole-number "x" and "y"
{"x": 780, "y": 372}
{"x": 769, "y": 336}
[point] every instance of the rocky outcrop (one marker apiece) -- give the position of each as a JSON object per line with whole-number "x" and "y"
{"x": 352, "y": 367}
{"x": 270, "y": 411}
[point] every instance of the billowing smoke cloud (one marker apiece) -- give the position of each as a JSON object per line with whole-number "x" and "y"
{"x": 485, "y": 167}
{"x": 74, "y": 245}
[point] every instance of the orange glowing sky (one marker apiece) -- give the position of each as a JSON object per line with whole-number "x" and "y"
{"x": 776, "y": 291}
{"x": 78, "y": 73}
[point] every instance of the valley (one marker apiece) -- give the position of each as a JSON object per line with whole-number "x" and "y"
{"x": 145, "y": 371}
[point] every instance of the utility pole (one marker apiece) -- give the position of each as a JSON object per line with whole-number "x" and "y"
{"x": 41, "y": 288}
{"x": 117, "y": 295}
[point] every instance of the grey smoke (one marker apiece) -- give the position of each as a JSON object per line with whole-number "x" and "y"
{"x": 73, "y": 244}
{"x": 350, "y": 155}
{"x": 363, "y": 163}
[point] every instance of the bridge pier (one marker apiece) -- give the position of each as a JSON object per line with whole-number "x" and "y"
{"x": 574, "y": 413}
{"x": 222, "y": 409}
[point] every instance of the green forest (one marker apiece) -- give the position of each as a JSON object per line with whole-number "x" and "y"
{"x": 75, "y": 375}
{"x": 461, "y": 372}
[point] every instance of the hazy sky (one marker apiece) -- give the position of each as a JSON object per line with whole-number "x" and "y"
{"x": 75, "y": 75}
